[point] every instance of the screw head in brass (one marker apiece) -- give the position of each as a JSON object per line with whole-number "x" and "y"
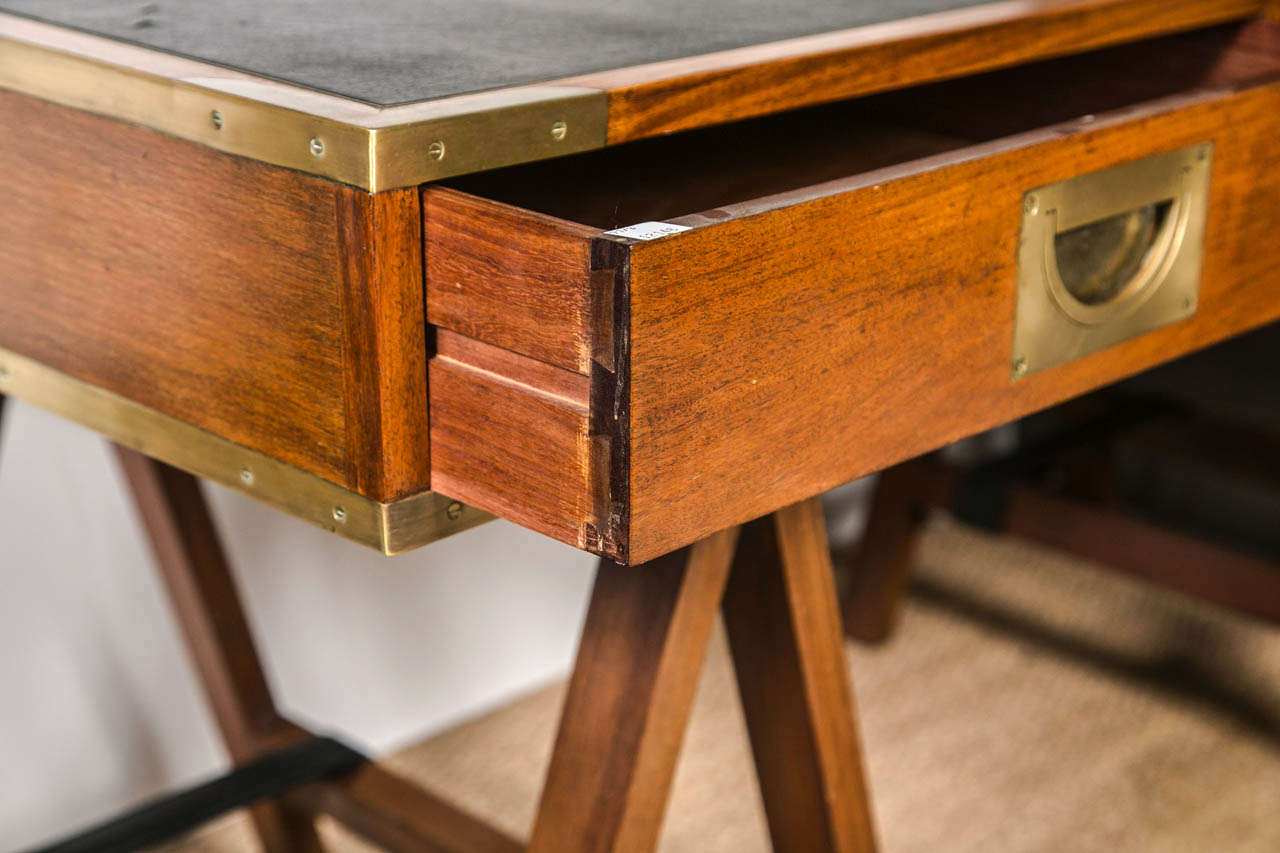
{"x": 1019, "y": 367}
{"x": 436, "y": 150}
{"x": 339, "y": 515}
{"x": 558, "y": 130}
{"x": 216, "y": 118}
{"x": 317, "y": 146}
{"x": 1031, "y": 204}
{"x": 454, "y": 511}
{"x": 246, "y": 476}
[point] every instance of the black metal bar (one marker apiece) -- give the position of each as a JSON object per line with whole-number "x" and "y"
{"x": 166, "y": 817}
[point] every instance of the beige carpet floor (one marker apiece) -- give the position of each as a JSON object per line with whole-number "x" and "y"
{"x": 1028, "y": 702}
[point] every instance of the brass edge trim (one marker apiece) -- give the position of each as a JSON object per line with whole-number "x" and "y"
{"x": 375, "y": 148}
{"x": 391, "y": 528}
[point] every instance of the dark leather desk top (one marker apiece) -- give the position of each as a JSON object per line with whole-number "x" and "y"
{"x": 400, "y": 51}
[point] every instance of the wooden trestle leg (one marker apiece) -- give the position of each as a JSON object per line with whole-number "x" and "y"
{"x": 784, "y": 628}
{"x": 630, "y": 695}
{"x": 880, "y": 565}
{"x": 384, "y": 808}
{"x": 202, "y": 593}
{"x": 628, "y": 703}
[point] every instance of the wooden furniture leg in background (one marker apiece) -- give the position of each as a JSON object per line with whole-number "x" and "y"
{"x": 208, "y": 612}
{"x": 783, "y": 622}
{"x": 881, "y": 561}
{"x": 1099, "y": 531}
{"x": 632, "y": 689}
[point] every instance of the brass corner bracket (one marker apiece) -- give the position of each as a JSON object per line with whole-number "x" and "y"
{"x": 375, "y": 148}
{"x": 391, "y": 528}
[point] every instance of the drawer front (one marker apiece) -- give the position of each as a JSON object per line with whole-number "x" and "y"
{"x": 803, "y": 342}
{"x": 653, "y": 391}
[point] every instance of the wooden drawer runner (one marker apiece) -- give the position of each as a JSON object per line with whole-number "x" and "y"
{"x": 842, "y": 299}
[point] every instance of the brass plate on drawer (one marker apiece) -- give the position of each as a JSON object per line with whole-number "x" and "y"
{"x": 1110, "y": 255}
{"x": 392, "y": 527}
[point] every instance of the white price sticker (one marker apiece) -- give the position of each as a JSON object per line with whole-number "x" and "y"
{"x": 648, "y": 230}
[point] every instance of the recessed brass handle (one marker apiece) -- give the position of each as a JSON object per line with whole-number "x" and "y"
{"x": 1109, "y": 255}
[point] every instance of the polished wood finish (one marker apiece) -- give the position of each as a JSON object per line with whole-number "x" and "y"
{"x": 883, "y": 332}
{"x": 514, "y": 435}
{"x": 788, "y": 652}
{"x": 649, "y": 100}
{"x": 398, "y": 816}
{"x": 277, "y": 310}
{"x": 384, "y": 342}
{"x": 512, "y": 277}
{"x": 642, "y": 647}
{"x": 887, "y": 349}
{"x": 624, "y": 717}
{"x": 209, "y": 615}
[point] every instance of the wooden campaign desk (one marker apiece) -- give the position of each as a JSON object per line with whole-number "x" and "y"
{"x": 643, "y": 277}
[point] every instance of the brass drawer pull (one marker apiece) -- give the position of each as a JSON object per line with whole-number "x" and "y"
{"x": 1109, "y": 255}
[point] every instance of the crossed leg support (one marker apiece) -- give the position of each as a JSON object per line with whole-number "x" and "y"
{"x": 632, "y": 688}
{"x": 623, "y": 721}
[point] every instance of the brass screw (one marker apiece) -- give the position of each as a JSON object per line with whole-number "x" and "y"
{"x": 454, "y": 511}
{"x": 339, "y": 515}
{"x": 216, "y": 118}
{"x": 246, "y": 476}
{"x": 1031, "y": 204}
{"x": 1019, "y": 367}
{"x": 558, "y": 130}
{"x": 317, "y": 146}
{"x": 436, "y": 150}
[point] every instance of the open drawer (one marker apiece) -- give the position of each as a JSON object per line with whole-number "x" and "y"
{"x": 824, "y": 293}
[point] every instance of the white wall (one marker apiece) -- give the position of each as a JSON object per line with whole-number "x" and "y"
{"x": 98, "y": 706}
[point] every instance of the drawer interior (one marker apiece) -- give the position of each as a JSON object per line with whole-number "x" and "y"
{"x": 697, "y": 172}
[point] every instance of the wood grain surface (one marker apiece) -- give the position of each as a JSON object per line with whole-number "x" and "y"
{"x": 680, "y": 94}
{"x": 788, "y": 343}
{"x": 399, "y": 816}
{"x": 384, "y": 342}
{"x": 783, "y": 623}
{"x": 624, "y": 717}
{"x": 886, "y": 331}
{"x": 511, "y": 277}
{"x": 280, "y": 311}
{"x": 513, "y": 435}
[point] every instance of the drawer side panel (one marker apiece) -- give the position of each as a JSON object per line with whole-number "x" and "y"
{"x": 509, "y": 277}
{"x": 513, "y": 436}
